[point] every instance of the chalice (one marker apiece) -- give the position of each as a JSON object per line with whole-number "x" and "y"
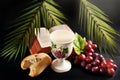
{"x": 61, "y": 48}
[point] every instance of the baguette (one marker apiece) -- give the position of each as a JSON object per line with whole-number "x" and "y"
{"x": 36, "y": 63}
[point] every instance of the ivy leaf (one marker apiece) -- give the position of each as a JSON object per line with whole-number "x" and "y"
{"x": 65, "y": 50}
{"x": 53, "y": 45}
{"x": 79, "y": 44}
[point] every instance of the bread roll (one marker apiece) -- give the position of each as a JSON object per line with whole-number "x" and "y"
{"x": 36, "y": 63}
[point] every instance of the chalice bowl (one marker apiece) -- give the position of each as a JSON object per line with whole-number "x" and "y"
{"x": 61, "y": 48}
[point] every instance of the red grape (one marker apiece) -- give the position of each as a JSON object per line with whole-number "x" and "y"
{"x": 95, "y": 69}
{"x": 95, "y": 54}
{"x": 109, "y": 61}
{"x": 83, "y": 63}
{"x": 115, "y": 66}
{"x": 94, "y": 46}
{"x": 102, "y": 59}
{"x": 102, "y": 70}
{"x": 103, "y": 64}
{"x": 89, "y": 58}
{"x": 91, "y": 50}
{"x": 89, "y": 53}
{"x": 82, "y": 57}
{"x": 88, "y": 47}
{"x": 111, "y": 65}
{"x": 96, "y": 62}
{"x": 88, "y": 67}
{"x": 99, "y": 56}
{"x": 89, "y": 41}
{"x": 111, "y": 71}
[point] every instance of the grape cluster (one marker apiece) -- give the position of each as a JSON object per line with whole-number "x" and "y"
{"x": 95, "y": 62}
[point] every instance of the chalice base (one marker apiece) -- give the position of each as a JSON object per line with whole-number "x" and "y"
{"x": 60, "y": 65}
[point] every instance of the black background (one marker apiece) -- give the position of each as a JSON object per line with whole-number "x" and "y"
{"x": 10, "y": 9}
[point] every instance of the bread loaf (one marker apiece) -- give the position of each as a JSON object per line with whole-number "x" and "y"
{"x": 37, "y": 63}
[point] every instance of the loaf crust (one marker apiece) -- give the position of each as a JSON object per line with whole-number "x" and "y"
{"x": 37, "y": 63}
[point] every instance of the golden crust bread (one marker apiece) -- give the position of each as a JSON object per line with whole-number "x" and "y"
{"x": 36, "y": 63}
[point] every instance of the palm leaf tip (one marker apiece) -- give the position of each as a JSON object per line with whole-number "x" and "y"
{"x": 14, "y": 47}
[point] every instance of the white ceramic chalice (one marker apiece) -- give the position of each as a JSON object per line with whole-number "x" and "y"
{"x": 62, "y": 45}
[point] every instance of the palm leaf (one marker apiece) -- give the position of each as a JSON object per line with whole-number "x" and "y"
{"x": 51, "y": 15}
{"x": 96, "y": 25}
{"x": 21, "y": 32}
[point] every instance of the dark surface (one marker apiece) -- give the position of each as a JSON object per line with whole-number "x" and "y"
{"x": 13, "y": 71}
{"x": 9, "y": 10}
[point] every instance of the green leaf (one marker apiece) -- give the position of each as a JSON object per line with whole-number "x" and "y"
{"x": 79, "y": 44}
{"x": 53, "y": 45}
{"x": 51, "y": 15}
{"x": 65, "y": 50}
{"x": 53, "y": 3}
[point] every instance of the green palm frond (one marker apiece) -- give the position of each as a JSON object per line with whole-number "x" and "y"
{"x": 51, "y": 15}
{"x": 96, "y": 25}
{"x": 21, "y": 32}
